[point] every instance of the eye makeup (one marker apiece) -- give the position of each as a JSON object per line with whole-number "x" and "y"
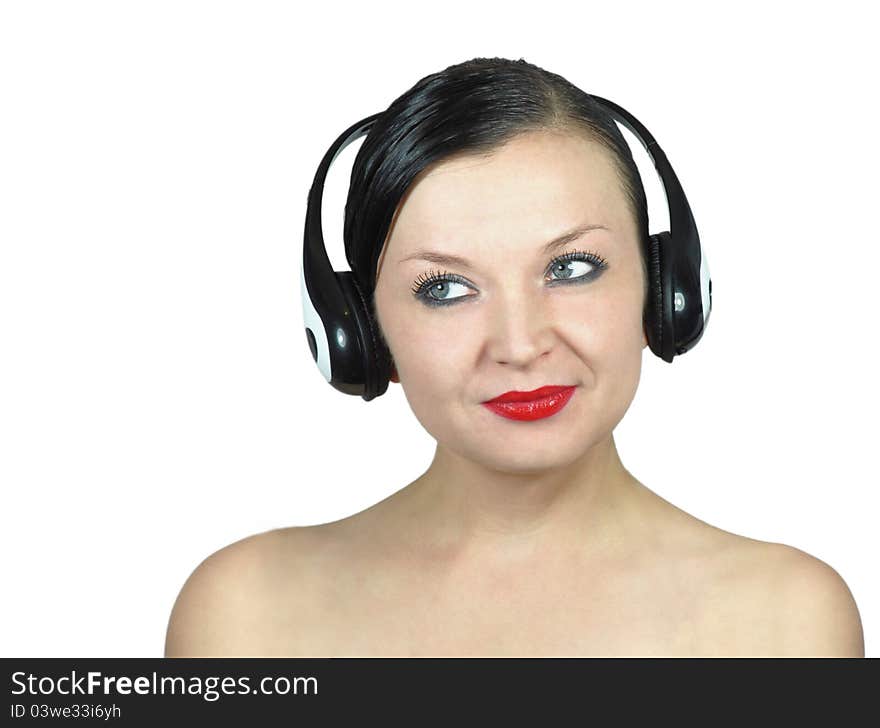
{"x": 440, "y": 281}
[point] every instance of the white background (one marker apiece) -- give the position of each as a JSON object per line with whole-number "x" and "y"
{"x": 158, "y": 400}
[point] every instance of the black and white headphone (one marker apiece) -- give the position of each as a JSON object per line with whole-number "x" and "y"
{"x": 345, "y": 340}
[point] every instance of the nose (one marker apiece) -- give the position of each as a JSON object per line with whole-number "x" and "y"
{"x": 519, "y": 330}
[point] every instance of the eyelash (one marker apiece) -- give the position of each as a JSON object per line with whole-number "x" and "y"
{"x": 423, "y": 283}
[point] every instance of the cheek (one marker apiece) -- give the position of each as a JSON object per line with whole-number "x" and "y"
{"x": 431, "y": 352}
{"x": 605, "y": 339}
{"x": 609, "y": 328}
{"x": 617, "y": 356}
{"x": 434, "y": 368}
{"x": 426, "y": 351}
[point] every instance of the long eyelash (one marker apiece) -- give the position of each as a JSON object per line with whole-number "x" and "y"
{"x": 586, "y": 255}
{"x": 427, "y": 279}
{"x": 423, "y": 281}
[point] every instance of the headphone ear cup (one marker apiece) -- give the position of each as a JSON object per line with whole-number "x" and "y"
{"x": 382, "y": 354}
{"x": 385, "y": 362}
{"x": 653, "y": 313}
{"x": 376, "y": 359}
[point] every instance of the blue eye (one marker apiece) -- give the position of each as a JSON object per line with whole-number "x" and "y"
{"x": 439, "y": 285}
{"x": 434, "y": 289}
{"x": 563, "y": 263}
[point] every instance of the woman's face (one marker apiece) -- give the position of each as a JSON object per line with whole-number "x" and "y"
{"x": 513, "y": 319}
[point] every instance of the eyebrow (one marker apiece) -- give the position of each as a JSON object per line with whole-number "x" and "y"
{"x": 433, "y": 256}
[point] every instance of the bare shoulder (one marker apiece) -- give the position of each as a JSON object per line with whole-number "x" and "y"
{"x": 791, "y": 602}
{"x": 816, "y": 614}
{"x": 222, "y": 607}
{"x": 761, "y": 598}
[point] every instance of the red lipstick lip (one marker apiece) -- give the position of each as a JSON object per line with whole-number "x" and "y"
{"x": 554, "y": 399}
{"x": 535, "y": 394}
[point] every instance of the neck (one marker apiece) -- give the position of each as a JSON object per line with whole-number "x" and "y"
{"x": 467, "y": 511}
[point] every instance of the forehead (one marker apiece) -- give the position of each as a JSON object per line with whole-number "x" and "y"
{"x": 524, "y": 192}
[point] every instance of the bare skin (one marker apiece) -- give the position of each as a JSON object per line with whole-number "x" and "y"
{"x": 666, "y": 584}
{"x": 370, "y": 585}
{"x": 521, "y": 538}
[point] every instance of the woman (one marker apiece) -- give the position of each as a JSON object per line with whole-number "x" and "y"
{"x": 514, "y": 265}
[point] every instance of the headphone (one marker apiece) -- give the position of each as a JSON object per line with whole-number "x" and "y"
{"x": 348, "y": 346}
